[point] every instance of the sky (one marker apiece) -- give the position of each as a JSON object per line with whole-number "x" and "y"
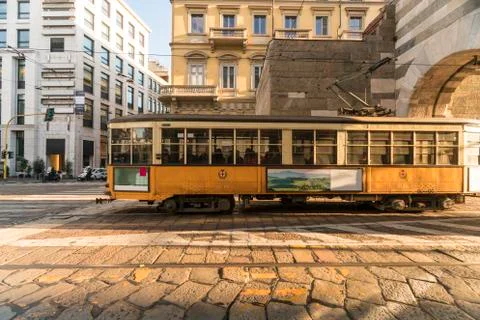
{"x": 157, "y": 15}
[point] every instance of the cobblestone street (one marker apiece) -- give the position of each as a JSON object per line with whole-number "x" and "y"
{"x": 78, "y": 260}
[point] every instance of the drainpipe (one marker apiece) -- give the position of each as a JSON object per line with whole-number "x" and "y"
{"x": 340, "y": 18}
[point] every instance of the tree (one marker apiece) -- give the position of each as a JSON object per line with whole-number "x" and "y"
{"x": 38, "y": 166}
{"x": 69, "y": 168}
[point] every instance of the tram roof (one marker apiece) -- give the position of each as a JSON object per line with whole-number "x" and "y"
{"x": 285, "y": 119}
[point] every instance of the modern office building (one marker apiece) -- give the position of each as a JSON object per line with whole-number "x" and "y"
{"x": 55, "y": 53}
{"x": 218, "y": 47}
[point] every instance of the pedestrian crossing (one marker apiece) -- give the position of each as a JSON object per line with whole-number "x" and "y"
{"x": 372, "y": 234}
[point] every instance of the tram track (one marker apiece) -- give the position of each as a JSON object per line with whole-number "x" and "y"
{"x": 237, "y": 265}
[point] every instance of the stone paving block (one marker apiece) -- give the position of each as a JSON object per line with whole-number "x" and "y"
{"x": 347, "y": 256}
{"x": 397, "y": 291}
{"x": 148, "y": 255}
{"x": 303, "y": 255}
{"x": 43, "y": 293}
{"x": 430, "y": 291}
{"x": 205, "y": 275}
{"x": 240, "y": 252}
{"x": 56, "y": 256}
{"x": 114, "y": 275}
{"x": 236, "y": 274}
{"x": 205, "y": 311}
{"x": 358, "y": 273}
{"x": 196, "y": 250}
{"x": 145, "y": 274}
{"x": 101, "y": 255}
{"x": 295, "y": 274}
{"x": 441, "y": 311}
{"x": 280, "y": 311}
{"x": 77, "y": 296}
{"x": 238, "y": 259}
{"x": 328, "y": 293}
{"x": 193, "y": 258}
{"x": 170, "y": 255}
{"x": 387, "y": 273}
{"x": 150, "y": 294}
{"x": 415, "y": 273}
{"x": 405, "y": 312}
{"x": 79, "y": 312}
{"x": 187, "y": 294}
{"x": 18, "y": 292}
{"x": 223, "y": 293}
{"x": 6, "y": 313}
{"x": 217, "y": 255}
{"x": 291, "y": 292}
{"x": 35, "y": 255}
{"x": 23, "y": 276}
{"x": 436, "y": 271}
{"x": 5, "y": 273}
{"x": 473, "y": 283}
{"x": 326, "y": 256}
{"x": 84, "y": 275}
{"x": 369, "y": 256}
{"x": 256, "y": 293}
{"x": 321, "y": 312}
{"x": 283, "y": 256}
{"x": 473, "y": 309}
{"x": 416, "y": 256}
{"x": 246, "y": 311}
{"x": 120, "y": 311}
{"x": 364, "y": 291}
{"x": 164, "y": 312}
{"x": 363, "y": 310}
{"x": 263, "y": 256}
{"x": 327, "y": 274}
{"x": 124, "y": 255}
{"x": 113, "y": 293}
{"x": 464, "y": 272}
{"x": 41, "y": 311}
{"x": 175, "y": 275}
{"x": 55, "y": 275}
{"x": 263, "y": 274}
{"x": 459, "y": 289}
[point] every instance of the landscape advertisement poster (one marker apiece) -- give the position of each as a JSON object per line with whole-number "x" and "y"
{"x": 314, "y": 180}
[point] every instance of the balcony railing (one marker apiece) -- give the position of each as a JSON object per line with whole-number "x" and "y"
{"x": 292, "y": 34}
{"x": 188, "y": 91}
{"x": 221, "y": 33}
{"x": 352, "y": 35}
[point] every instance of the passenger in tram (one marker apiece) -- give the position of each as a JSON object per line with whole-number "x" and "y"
{"x": 217, "y": 157}
{"x": 250, "y": 156}
{"x": 272, "y": 156}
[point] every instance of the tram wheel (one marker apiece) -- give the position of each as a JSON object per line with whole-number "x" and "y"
{"x": 226, "y": 205}
{"x": 170, "y": 205}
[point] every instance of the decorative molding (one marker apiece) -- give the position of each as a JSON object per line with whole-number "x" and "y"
{"x": 322, "y": 8}
{"x": 197, "y": 6}
{"x": 363, "y": 9}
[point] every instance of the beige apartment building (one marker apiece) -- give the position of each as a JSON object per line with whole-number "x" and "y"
{"x": 218, "y": 46}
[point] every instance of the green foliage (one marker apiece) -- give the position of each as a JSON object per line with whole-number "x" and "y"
{"x": 68, "y": 168}
{"x": 24, "y": 163}
{"x": 38, "y": 166}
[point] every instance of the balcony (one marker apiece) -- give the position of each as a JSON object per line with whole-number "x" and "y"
{"x": 169, "y": 93}
{"x": 352, "y": 35}
{"x": 228, "y": 37}
{"x": 297, "y": 34}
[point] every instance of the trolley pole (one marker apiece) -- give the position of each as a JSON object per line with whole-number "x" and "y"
{"x": 5, "y": 151}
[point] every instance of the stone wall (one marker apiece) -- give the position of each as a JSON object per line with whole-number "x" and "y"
{"x": 225, "y": 107}
{"x": 297, "y": 73}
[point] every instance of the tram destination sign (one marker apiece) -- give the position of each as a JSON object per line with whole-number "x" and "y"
{"x": 314, "y": 180}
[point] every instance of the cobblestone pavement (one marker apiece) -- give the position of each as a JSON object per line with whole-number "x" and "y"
{"x": 125, "y": 261}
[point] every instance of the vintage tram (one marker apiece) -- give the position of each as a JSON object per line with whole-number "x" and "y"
{"x": 188, "y": 163}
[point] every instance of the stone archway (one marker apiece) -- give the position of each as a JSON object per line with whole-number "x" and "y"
{"x": 436, "y": 43}
{"x": 450, "y": 88}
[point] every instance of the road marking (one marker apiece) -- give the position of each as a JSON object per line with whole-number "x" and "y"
{"x": 452, "y": 225}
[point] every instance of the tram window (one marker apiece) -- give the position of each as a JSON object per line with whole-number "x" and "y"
{"x": 326, "y": 147}
{"x": 142, "y": 146}
{"x": 357, "y": 147}
{"x": 121, "y": 154}
{"x": 197, "y": 146}
{"x": 271, "y": 146}
{"x": 472, "y": 148}
{"x": 447, "y": 148}
{"x": 247, "y": 146}
{"x": 172, "y": 146}
{"x": 425, "y": 148}
{"x": 222, "y": 146}
{"x": 142, "y": 135}
{"x": 380, "y": 147}
{"x": 121, "y": 136}
{"x": 402, "y": 148}
{"x": 302, "y": 146}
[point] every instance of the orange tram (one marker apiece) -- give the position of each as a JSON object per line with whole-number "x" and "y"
{"x": 195, "y": 163}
